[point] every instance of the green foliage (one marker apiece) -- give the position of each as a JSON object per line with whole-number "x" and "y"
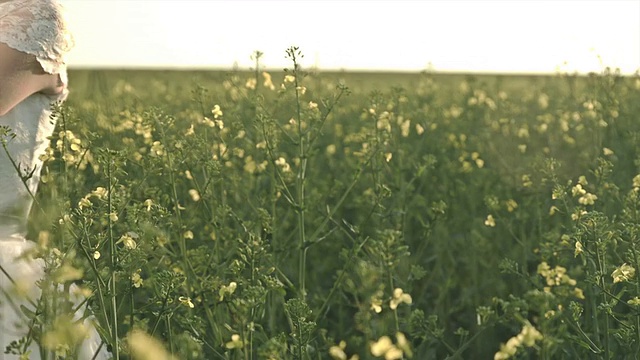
{"x": 283, "y": 215}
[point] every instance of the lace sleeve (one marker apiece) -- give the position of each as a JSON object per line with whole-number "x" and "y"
{"x": 36, "y": 27}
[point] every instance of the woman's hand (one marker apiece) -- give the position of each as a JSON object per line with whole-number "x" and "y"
{"x": 21, "y": 75}
{"x": 55, "y": 89}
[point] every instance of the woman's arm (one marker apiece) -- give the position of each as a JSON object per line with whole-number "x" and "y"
{"x": 21, "y": 76}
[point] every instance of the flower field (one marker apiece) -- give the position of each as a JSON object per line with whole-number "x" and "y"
{"x": 310, "y": 215}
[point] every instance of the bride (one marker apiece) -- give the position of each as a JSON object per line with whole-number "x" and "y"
{"x": 33, "y": 42}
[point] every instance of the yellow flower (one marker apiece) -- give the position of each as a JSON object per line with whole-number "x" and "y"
{"x": 268, "y": 83}
{"x": 63, "y": 335}
{"x": 188, "y": 234}
{"x": 405, "y": 127}
{"x": 376, "y": 305}
{"x": 282, "y": 162}
{"x": 384, "y": 347}
{"x": 522, "y": 148}
{"x": 530, "y": 335}
{"x": 393, "y": 354}
{"x": 635, "y": 301}
{"x": 623, "y": 273}
{"x": 490, "y": 221}
{"x": 331, "y": 149}
{"x": 208, "y": 122}
{"x": 527, "y": 337}
{"x": 337, "y": 351}
{"x": 381, "y": 346}
{"x": 235, "y": 343}
{"x": 511, "y": 205}
{"x": 403, "y": 344}
{"x": 75, "y": 145}
{"x": 157, "y": 149}
{"x": 251, "y": 83}
{"x": 195, "y": 195}
{"x": 128, "y": 241}
{"x": 147, "y": 203}
{"x": 384, "y": 122}
{"x": 66, "y": 273}
{"x": 399, "y": 297}
{"x": 113, "y": 217}
{"x": 227, "y": 289}
{"x": 578, "y": 190}
{"x": 65, "y": 219}
{"x": 186, "y": 301}
{"x": 136, "y": 279}
{"x": 84, "y": 202}
{"x": 146, "y": 347}
{"x": 313, "y": 105}
{"x": 100, "y": 192}
{"x": 588, "y": 199}
{"x": 576, "y": 215}
{"x": 96, "y": 255}
{"x": 289, "y": 78}
{"x": 577, "y": 292}
{"x": 578, "y": 249}
{"x": 69, "y": 135}
{"x": 556, "y": 276}
{"x": 47, "y": 155}
{"x": 512, "y": 345}
{"x": 543, "y": 268}
{"x": 81, "y": 291}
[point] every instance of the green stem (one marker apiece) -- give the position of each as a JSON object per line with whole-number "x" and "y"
{"x": 299, "y": 326}
{"x": 637, "y": 318}
{"x": 170, "y": 335}
{"x": 458, "y": 353}
{"x": 300, "y": 184}
{"x": 338, "y": 281}
{"x": 23, "y": 178}
{"x": 99, "y": 281}
{"x": 576, "y": 326}
{"x": 395, "y": 311}
{"x": 601, "y": 265}
{"x": 113, "y": 260}
{"x": 343, "y": 198}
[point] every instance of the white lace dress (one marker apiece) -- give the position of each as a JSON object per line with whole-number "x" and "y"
{"x": 34, "y": 27}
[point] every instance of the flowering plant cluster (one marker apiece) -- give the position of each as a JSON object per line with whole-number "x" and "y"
{"x": 284, "y": 215}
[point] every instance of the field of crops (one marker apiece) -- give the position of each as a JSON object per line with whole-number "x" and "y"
{"x": 310, "y": 215}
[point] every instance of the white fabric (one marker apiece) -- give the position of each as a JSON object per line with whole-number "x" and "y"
{"x": 35, "y": 27}
{"x": 31, "y": 124}
{"x": 21, "y": 290}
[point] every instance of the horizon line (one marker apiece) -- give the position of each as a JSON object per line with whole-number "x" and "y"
{"x": 344, "y": 70}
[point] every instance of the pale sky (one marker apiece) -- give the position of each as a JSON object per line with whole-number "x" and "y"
{"x": 455, "y": 35}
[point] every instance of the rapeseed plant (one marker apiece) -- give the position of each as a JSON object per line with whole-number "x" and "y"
{"x": 265, "y": 215}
